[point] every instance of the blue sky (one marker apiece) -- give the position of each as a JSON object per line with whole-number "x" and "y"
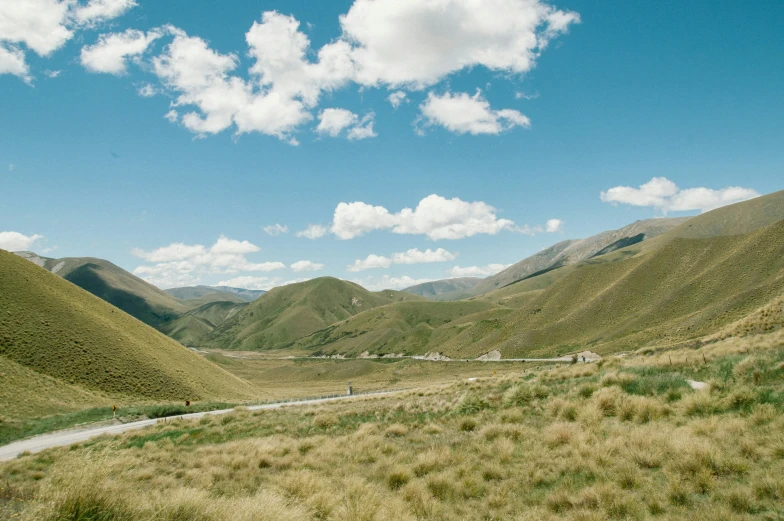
{"x": 520, "y": 116}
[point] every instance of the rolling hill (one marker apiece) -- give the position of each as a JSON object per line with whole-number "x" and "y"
{"x": 697, "y": 279}
{"x": 113, "y": 284}
{"x": 570, "y": 252}
{"x": 193, "y": 326}
{"x": 66, "y": 344}
{"x": 433, "y": 290}
{"x": 205, "y": 294}
{"x": 290, "y": 312}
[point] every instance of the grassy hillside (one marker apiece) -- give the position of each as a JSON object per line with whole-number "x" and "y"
{"x": 407, "y": 328}
{"x": 625, "y": 439}
{"x": 58, "y": 330}
{"x": 214, "y": 293}
{"x": 288, "y": 313}
{"x": 436, "y": 289}
{"x": 113, "y": 284}
{"x": 570, "y": 252}
{"x": 191, "y": 328}
{"x": 685, "y": 289}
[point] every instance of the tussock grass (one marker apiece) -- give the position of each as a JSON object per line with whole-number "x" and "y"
{"x": 497, "y": 448}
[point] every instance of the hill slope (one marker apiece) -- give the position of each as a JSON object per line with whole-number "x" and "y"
{"x": 113, "y": 284}
{"x": 56, "y": 329}
{"x": 570, "y": 252}
{"x": 215, "y": 293}
{"x": 288, "y": 313}
{"x": 193, "y": 326}
{"x": 433, "y": 290}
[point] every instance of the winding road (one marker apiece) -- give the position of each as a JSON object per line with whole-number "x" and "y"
{"x": 69, "y": 437}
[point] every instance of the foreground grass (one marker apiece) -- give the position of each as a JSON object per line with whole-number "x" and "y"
{"x": 15, "y": 430}
{"x": 625, "y": 440}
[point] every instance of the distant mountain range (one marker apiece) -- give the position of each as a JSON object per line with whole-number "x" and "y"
{"x": 658, "y": 280}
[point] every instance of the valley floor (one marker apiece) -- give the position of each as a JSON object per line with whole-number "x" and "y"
{"x": 626, "y": 438}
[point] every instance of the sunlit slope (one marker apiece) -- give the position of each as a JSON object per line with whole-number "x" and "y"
{"x": 685, "y": 289}
{"x": 408, "y": 328}
{"x": 194, "y": 325}
{"x": 290, "y": 312}
{"x": 116, "y": 286}
{"x": 57, "y": 329}
{"x": 570, "y": 252}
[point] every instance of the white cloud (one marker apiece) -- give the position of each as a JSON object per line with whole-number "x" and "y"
{"x": 333, "y": 121}
{"x": 10, "y": 167}
{"x": 102, "y": 10}
{"x": 553, "y": 225}
{"x": 44, "y": 26}
{"x": 412, "y": 256}
{"x": 276, "y": 229}
{"x": 171, "y": 116}
{"x": 12, "y": 61}
{"x": 477, "y": 271}
{"x": 371, "y": 262}
{"x": 397, "y": 98}
{"x": 110, "y": 53}
{"x": 52, "y": 74}
{"x": 15, "y": 241}
{"x": 251, "y": 282}
{"x": 363, "y": 130}
{"x": 664, "y": 195}
{"x": 435, "y": 216}
{"x": 461, "y": 114}
{"x": 313, "y": 231}
{"x": 416, "y": 256}
{"x": 306, "y": 265}
{"x": 387, "y": 282}
{"x": 147, "y": 91}
{"x": 417, "y": 43}
{"x": 180, "y": 263}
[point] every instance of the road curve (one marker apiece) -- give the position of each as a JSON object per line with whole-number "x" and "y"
{"x": 65, "y": 438}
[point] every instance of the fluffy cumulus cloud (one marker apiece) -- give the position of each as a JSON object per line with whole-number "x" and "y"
{"x": 477, "y": 271}
{"x": 417, "y": 43}
{"x": 412, "y": 256}
{"x": 313, "y": 231}
{"x": 416, "y": 256}
{"x": 389, "y": 282}
{"x": 397, "y": 98}
{"x": 180, "y": 263}
{"x": 398, "y": 44}
{"x": 464, "y": 114}
{"x": 332, "y": 122}
{"x": 371, "y": 262}
{"x": 306, "y": 265}
{"x": 435, "y": 216}
{"x": 254, "y": 282}
{"x": 553, "y": 225}
{"x": 15, "y": 241}
{"x": 111, "y": 52}
{"x": 664, "y": 195}
{"x": 44, "y": 26}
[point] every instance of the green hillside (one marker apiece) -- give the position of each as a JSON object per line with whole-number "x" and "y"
{"x": 69, "y": 337}
{"x": 686, "y": 289}
{"x": 193, "y": 326}
{"x": 290, "y": 312}
{"x": 113, "y": 284}
{"x": 215, "y": 293}
{"x": 443, "y": 289}
{"x": 407, "y": 328}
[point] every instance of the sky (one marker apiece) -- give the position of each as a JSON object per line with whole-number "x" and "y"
{"x": 388, "y": 142}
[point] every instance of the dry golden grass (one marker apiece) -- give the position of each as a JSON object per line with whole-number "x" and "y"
{"x": 626, "y": 440}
